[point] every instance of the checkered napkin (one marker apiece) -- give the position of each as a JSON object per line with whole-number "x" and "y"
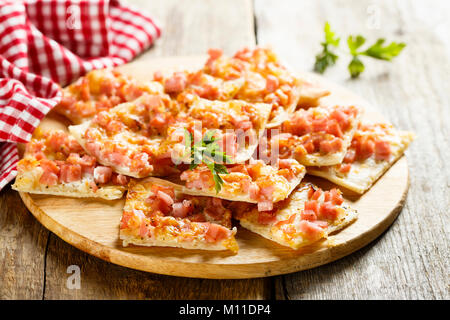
{"x": 45, "y": 44}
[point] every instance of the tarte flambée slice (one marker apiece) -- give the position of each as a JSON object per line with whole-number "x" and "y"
{"x": 156, "y": 213}
{"x": 101, "y": 90}
{"x": 54, "y": 163}
{"x": 266, "y": 79}
{"x": 374, "y": 149}
{"x": 318, "y": 136}
{"x": 308, "y": 215}
{"x": 255, "y": 182}
{"x": 131, "y": 136}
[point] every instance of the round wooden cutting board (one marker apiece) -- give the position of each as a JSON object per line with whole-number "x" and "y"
{"x": 92, "y": 225}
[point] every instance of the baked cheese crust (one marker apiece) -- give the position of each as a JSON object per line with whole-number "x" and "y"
{"x": 254, "y": 182}
{"x": 54, "y": 163}
{"x": 308, "y": 215}
{"x": 317, "y": 136}
{"x": 157, "y": 213}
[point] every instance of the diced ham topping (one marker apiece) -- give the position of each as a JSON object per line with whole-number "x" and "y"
{"x": 50, "y": 172}
{"x": 102, "y": 174}
{"x": 382, "y": 150}
{"x": 182, "y": 209}
{"x": 143, "y": 229}
{"x": 70, "y": 173}
{"x": 214, "y": 53}
{"x": 119, "y": 179}
{"x": 216, "y": 233}
{"x": 350, "y": 156}
{"x": 125, "y": 218}
{"x": 366, "y": 143}
{"x": 176, "y": 83}
{"x": 312, "y": 230}
{"x": 228, "y": 144}
{"x": 322, "y": 133}
{"x": 158, "y": 76}
{"x": 309, "y": 215}
{"x": 328, "y": 211}
{"x": 271, "y": 83}
{"x": 332, "y": 146}
{"x": 325, "y": 210}
{"x": 336, "y": 196}
{"x": 164, "y": 197}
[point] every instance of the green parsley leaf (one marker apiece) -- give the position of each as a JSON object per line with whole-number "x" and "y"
{"x": 355, "y": 67}
{"x": 354, "y": 43}
{"x": 388, "y": 52}
{"x": 206, "y": 151}
{"x": 326, "y": 58}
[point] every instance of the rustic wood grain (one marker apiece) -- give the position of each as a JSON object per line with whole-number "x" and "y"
{"x": 22, "y": 250}
{"x": 189, "y": 27}
{"x": 411, "y": 260}
{"x": 103, "y": 280}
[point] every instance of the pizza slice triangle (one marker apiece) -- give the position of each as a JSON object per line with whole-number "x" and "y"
{"x": 158, "y": 213}
{"x": 306, "y": 216}
{"x": 374, "y": 149}
{"x": 54, "y": 163}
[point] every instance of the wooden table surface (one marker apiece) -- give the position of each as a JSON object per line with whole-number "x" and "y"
{"x": 409, "y": 261}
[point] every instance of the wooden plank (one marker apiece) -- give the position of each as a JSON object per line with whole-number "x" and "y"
{"x": 189, "y": 27}
{"x": 103, "y": 280}
{"x": 22, "y": 249}
{"x": 410, "y": 261}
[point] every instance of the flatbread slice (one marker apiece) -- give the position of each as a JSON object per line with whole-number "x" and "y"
{"x": 130, "y": 137}
{"x": 317, "y": 136}
{"x": 254, "y": 182}
{"x": 101, "y": 90}
{"x": 374, "y": 149}
{"x": 308, "y": 215}
{"x": 156, "y": 213}
{"x": 54, "y": 163}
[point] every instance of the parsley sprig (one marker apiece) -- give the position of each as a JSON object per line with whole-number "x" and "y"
{"x": 207, "y": 151}
{"x": 327, "y": 58}
{"x": 377, "y": 51}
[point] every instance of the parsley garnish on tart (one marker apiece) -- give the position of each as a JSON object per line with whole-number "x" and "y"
{"x": 207, "y": 151}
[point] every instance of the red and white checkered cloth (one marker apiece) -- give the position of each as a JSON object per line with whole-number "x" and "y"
{"x": 45, "y": 44}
